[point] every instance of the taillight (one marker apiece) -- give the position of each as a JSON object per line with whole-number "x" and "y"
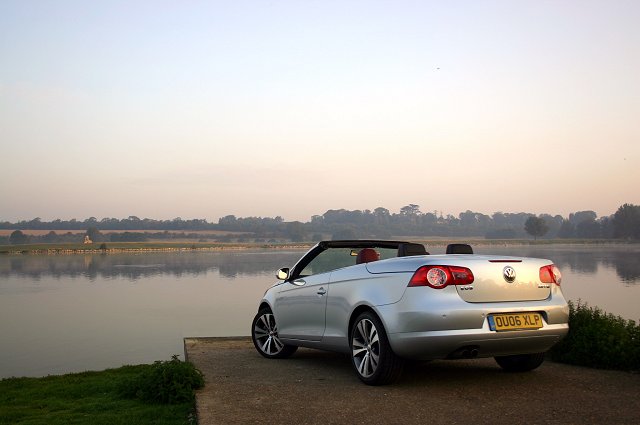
{"x": 440, "y": 276}
{"x": 550, "y": 274}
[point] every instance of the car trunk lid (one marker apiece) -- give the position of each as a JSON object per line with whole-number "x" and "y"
{"x": 498, "y": 279}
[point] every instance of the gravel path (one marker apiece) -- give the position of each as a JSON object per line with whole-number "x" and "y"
{"x": 313, "y": 387}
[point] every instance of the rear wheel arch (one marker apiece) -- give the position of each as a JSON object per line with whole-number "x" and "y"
{"x": 357, "y": 312}
{"x": 372, "y": 357}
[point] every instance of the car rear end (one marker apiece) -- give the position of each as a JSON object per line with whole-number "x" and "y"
{"x": 462, "y": 306}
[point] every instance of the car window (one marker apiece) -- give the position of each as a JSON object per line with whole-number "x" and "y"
{"x": 336, "y": 258}
{"x": 330, "y": 259}
{"x": 387, "y": 253}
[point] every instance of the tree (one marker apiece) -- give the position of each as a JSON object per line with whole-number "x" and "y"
{"x": 381, "y": 215}
{"x": 128, "y": 237}
{"x": 18, "y": 238}
{"x": 588, "y": 229}
{"x": 50, "y": 237}
{"x": 626, "y": 222}
{"x": 567, "y": 230}
{"x": 295, "y": 231}
{"x": 94, "y": 234}
{"x": 227, "y": 222}
{"x": 411, "y": 209}
{"x": 554, "y": 223}
{"x": 536, "y": 226}
{"x": 581, "y": 216}
{"x": 344, "y": 232}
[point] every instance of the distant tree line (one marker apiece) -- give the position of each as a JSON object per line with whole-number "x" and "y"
{"x": 18, "y": 237}
{"x": 130, "y": 223}
{"x": 343, "y": 224}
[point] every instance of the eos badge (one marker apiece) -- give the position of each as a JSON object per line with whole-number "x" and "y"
{"x": 509, "y": 274}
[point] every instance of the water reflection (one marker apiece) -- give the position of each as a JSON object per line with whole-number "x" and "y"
{"x": 627, "y": 267}
{"x": 68, "y": 313}
{"x": 137, "y": 266}
{"x": 623, "y": 259}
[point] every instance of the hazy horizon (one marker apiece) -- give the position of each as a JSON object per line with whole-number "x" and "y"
{"x": 203, "y": 109}
{"x": 307, "y": 219}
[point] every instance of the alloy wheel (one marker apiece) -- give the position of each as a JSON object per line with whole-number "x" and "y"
{"x": 265, "y": 333}
{"x": 365, "y": 348}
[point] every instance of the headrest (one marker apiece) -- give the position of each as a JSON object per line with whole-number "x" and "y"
{"x": 367, "y": 255}
{"x": 407, "y": 249}
{"x": 459, "y": 248}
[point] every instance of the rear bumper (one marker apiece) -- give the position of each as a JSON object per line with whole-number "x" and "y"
{"x": 443, "y": 344}
{"x": 434, "y": 325}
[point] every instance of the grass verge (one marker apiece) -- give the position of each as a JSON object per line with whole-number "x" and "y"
{"x": 111, "y": 397}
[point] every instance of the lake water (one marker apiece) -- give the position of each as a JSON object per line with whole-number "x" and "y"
{"x": 70, "y": 313}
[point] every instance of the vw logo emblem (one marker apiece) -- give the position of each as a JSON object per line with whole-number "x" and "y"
{"x": 509, "y": 274}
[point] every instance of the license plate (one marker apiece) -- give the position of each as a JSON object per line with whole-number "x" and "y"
{"x": 514, "y": 321}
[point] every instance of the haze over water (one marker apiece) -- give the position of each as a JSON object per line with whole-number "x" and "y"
{"x": 72, "y": 313}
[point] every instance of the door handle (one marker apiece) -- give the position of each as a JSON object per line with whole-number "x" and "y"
{"x": 321, "y": 291}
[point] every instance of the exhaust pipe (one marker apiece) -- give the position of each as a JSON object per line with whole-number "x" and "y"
{"x": 469, "y": 352}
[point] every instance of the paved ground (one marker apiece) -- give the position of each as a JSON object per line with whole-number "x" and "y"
{"x": 313, "y": 387}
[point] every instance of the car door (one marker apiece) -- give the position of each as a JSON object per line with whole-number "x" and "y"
{"x": 300, "y": 307}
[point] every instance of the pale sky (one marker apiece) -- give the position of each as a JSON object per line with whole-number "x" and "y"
{"x": 199, "y": 109}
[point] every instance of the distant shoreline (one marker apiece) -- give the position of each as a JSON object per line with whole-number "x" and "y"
{"x": 119, "y": 247}
{"x": 112, "y": 248}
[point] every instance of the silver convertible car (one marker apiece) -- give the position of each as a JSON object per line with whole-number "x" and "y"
{"x": 385, "y": 301}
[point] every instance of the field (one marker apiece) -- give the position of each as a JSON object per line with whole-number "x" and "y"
{"x": 184, "y": 245}
{"x": 78, "y": 248}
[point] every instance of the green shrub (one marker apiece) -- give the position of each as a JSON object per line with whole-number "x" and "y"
{"x": 166, "y": 382}
{"x": 600, "y": 340}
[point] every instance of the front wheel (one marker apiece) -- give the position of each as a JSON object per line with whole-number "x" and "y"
{"x": 264, "y": 333}
{"x": 520, "y": 362}
{"x": 371, "y": 355}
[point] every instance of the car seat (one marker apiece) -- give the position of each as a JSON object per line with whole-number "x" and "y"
{"x": 367, "y": 255}
{"x": 408, "y": 249}
{"x": 459, "y": 248}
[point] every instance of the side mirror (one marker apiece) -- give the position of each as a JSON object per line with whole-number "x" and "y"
{"x": 283, "y": 273}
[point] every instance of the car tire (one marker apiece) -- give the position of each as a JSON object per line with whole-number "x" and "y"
{"x": 372, "y": 358}
{"x": 520, "y": 362}
{"x": 264, "y": 333}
